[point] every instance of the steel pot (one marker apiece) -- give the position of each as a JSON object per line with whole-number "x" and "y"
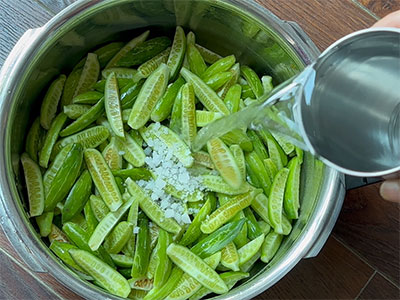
{"x": 251, "y": 32}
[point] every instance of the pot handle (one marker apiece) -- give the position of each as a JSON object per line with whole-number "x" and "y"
{"x": 18, "y": 48}
{"x": 353, "y": 182}
{"x": 8, "y": 224}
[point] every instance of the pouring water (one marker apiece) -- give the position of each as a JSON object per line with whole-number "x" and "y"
{"x": 344, "y": 108}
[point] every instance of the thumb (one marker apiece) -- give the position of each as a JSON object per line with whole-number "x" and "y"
{"x": 390, "y": 190}
{"x": 391, "y": 20}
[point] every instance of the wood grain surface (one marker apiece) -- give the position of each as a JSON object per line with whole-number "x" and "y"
{"x": 361, "y": 258}
{"x": 335, "y": 273}
{"x": 379, "y": 288}
{"x": 15, "y": 18}
{"x": 380, "y": 7}
{"x": 56, "y": 6}
{"x": 324, "y": 21}
{"x": 370, "y": 226}
{"x": 11, "y": 273}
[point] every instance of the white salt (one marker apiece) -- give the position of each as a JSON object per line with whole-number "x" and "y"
{"x": 168, "y": 170}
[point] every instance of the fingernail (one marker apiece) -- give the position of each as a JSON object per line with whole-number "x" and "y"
{"x": 390, "y": 190}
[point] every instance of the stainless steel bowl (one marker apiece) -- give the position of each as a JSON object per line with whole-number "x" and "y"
{"x": 251, "y": 32}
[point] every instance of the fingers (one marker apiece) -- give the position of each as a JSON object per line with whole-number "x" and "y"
{"x": 390, "y": 190}
{"x": 391, "y": 20}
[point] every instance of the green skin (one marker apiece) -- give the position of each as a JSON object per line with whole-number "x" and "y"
{"x": 270, "y": 246}
{"x": 125, "y": 272}
{"x": 77, "y": 197}
{"x": 120, "y": 183}
{"x": 167, "y": 288}
{"x": 218, "y": 239}
{"x": 271, "y": 168}
{"x": 260, "y": 206}
{"x": 65, "y": 177}
{"x": 257, "y": 167}
{"x": 32, "y": 140}
{"x": 164, "y": 265}
{"x": 77, "y": 235}
{"x": 241, "y": 238}
{"x": 204, "y": 93}
{"x": 44, "y": 222}
{"x": 218, "y": 80}
{"x": 80, "y": 238}
{"x": 232, "y": 98}
{"x": 134, "y": 173}
{"x": 122, "y": 261}
{"x": 196, "y": 61}
{"x": 48, "y": 109}
{"x": 193, "y": 232}
{"x": 258, "y": 145}
{"x": 74, "y": 111}
{"x": 253, "y": 80}
{"x": 99, "y": 208}
{"x": 291, "y": 199}
{"x": 104, "y": 54}
{"x": 51, "y": 138}
{"x": 275, "y": 203}
{"x": 136, "y": 137}
{"x": 91, "y": 221}
{"x": 177, "y": 53}
{"x": 143, "y": 52}
{"x": 253, "y": 229}
{"x": 89, "y": 138}
{"x": 222, "y": 92}
{"x": 238, "y": 137}
{"x": 163, "y": 107}
{"x": 86, "y": 119}
{"x": 57, "y": 163}
{"x": 91, "y": 97}
{"x": 142, "y": 251}
{"x": 61, "y": 250}
{"x": 112, "y": 105}
{"x": 209, "y": 56}
{"x": 100, "y": 85}
{"x": 129, "y": 93}
{"x": 118, "y": 237}
{"x": 275, "y": 151}
{"x": 247, "y": 92}
{"x": 103, "y": 179}
{"x": 70, "y": 85}
{"x": 175, "y": 123}
{"x": 119, "y": 72}
{"x": 230, "y": 278}
{"x": 221, "y": 65}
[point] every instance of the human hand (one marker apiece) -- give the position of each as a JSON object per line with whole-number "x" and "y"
{"x": 391, "y": 20}
{"x": 390, "y": 189}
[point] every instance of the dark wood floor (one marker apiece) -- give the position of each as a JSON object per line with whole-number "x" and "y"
{"x": 360, "y": 259}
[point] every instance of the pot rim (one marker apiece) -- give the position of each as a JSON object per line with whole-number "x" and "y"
{"x": 33, "y": 250}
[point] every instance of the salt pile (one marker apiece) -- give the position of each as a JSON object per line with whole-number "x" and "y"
{"x": 168, "y": 170}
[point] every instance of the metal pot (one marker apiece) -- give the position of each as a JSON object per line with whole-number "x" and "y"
{"x": 251, "y": 32}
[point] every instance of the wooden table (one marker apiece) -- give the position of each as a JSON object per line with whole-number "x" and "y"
{"x": 360, "y": 259}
